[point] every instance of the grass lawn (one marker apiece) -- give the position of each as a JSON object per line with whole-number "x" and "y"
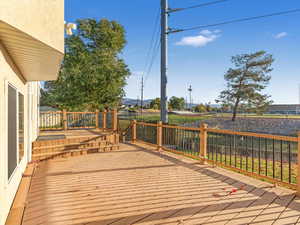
{"x": 173, "y": 119}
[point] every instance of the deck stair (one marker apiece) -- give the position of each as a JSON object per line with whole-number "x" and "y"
{"x": 43, "y": 150}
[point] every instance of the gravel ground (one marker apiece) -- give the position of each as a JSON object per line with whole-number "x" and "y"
{"x": 257, "y": 125}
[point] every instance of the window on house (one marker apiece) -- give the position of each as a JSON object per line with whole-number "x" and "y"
{"x": 12, "y": 130}
{"x": 21, "y": 126}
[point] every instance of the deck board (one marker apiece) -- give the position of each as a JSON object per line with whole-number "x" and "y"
{"x": 138, "y": 185}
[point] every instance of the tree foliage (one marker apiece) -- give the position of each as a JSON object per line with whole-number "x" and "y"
{"x": 176, "y": 103}
{"x": 246, "y": 82}
{"x": 92, "y": 75}
{"x": 155, "y": 103}
{"x": 201, "y": 108}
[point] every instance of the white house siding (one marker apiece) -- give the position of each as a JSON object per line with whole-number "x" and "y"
{"x": 9, "y": 75}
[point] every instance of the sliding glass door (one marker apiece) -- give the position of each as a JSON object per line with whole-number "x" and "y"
{"x": 12, "y": 130}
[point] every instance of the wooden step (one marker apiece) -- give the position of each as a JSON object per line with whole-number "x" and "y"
{"x": 69, "y": 146}
{"x": 69, "y": 141}
{"x": 74, "y": 152}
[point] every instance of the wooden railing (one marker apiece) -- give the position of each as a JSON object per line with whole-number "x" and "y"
{"x": 269, "y": 157}
{"x": 63, "y": 120}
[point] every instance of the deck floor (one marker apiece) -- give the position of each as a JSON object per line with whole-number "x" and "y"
{"x": 138, "y": 185}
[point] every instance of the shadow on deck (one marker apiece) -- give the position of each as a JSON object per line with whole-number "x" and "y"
{"x": 138, "y": 185}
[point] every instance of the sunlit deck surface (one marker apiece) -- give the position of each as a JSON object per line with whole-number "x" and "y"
{"x": 138, "y": 185}
{"x": 61, "y": 134}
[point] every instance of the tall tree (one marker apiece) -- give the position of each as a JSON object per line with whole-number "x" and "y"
{"x": 246, "y": 82}
{"x": 155, "y": 103}
{"x": 176, "y": 103}
{"x": 92, "y": 75}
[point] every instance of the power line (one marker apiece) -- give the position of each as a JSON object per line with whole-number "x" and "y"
{"x": 234, "y": 21}
{"x": 152, "y": 42}
{"x": 197, "y": 6}
{"x": 155, "y": 53}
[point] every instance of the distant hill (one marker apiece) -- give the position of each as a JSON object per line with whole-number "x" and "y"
{"x": 130, "y": 101}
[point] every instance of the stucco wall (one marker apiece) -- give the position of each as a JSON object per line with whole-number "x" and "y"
{"x": 42, "y": 19}
{"x": 9, "y": 74}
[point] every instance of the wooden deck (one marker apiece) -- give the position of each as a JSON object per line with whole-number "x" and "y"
{"x": 138, "y": 185}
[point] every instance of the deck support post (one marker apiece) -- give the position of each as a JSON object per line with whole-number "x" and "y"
{"x": 159, "y": 135}
{"x": 65, "y": 122}
{"x": 104, "y": 119}
{"x": 203, "y": 142}
{"x": 115, "y": 120}
{"x": 97, "y": 118}
{"x": 298, "y": 168}
{"x": 133, "y": 131}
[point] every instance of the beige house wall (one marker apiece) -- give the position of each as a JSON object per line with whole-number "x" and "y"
{"x": 41, "y": 23}
{"x": 41, "y": 19}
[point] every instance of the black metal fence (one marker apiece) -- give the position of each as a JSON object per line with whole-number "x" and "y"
{"x": 185, "y": 141}
{"x": 271, "y": 157}
{"x": 81, "y": 120}
{"x": 147, "y": 133}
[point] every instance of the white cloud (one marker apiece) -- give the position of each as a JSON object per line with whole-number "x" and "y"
{"x": 204, "y": 37}
{"x": 280, "y": 35}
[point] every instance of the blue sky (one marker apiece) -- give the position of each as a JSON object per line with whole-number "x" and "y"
{"x": 201, "y": 57}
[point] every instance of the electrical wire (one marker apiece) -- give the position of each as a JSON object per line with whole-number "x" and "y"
{"x": 234, "y": 21}
{"x": 196, "y": 6}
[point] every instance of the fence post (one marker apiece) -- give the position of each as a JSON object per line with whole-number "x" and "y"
{"x": 203, "y": 141}
{"x": 159, "y": 135}
{"x": 104, "y": 119}
{"x": 298, "y": 167}
{"x": 133, "y": 131}
{"x": 115, "y": 120}
{"x": 97, "y": 118}
{"x": 65, "y": 122}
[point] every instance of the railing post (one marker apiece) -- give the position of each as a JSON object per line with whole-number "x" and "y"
{"x": 203, "y": 141}
{"x": 97, "y": 118}
{"x": 133, "y": 131}
{"x": 104, "y": 119}
{"x": 65, "y": 122}
{"x": 159, "y": 135}
{"x": 298, "y": 166}
{"x": 115, "y": 120}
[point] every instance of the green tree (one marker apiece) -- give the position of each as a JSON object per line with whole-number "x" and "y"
{"x": 201, "y": 108}
{"x": 246, "y": 82}
{"x": 176, "y": 103}
{"x": 92, "y": 75}
{"x": 155, "y": 103}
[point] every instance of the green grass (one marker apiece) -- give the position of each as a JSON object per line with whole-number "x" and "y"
{"x": 173, "y": 119}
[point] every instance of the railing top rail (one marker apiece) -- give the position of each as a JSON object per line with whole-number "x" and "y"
{"x": 147, "y": 124}
{"x": 240, "y": 133}
{"x": 80, "y": 112}
{"x": 250, "y": 134}
{"x": 51, "y": 112}
{"x": 182, "y": 128}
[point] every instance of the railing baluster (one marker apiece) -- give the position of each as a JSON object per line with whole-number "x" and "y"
{"x": 259, "y": 161}
{"x": 281, "y": 159}
{"x": 290, "y": 165}
{"x": 266, "y": 156}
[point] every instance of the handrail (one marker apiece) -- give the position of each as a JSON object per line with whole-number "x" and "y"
{"x": 250, "y": 134}
{"x": 147, "y": 124}
{"x": 221, "y": 131}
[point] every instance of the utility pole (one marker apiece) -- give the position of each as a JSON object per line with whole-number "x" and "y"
{"x": 190, "y": 90}
{"x": 142, "y": 94}
{"x": 164, "y": 61}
